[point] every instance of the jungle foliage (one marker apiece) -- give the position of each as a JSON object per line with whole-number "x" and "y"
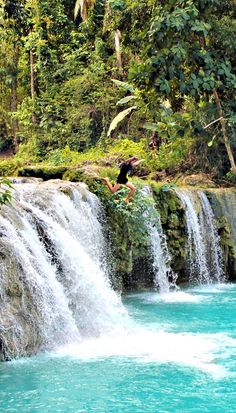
{"x": 89, "y": 80}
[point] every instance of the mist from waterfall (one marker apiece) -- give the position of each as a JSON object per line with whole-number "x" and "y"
{"x": 205, "y": 255}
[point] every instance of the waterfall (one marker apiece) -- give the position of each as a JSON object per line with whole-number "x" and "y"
{"x": 161, "y": 257}
{"x": 53, "y": 283}
{"x": 224, "y": 201}
{"x": 211, "y": 239}
{"x": 196, "y": 244}
{"x": 164, "y": 276}
{"x": 205, "y": 256}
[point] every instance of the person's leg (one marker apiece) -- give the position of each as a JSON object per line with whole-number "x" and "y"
{"x": 112, "y": 188}
{"x": 131, "y": 192}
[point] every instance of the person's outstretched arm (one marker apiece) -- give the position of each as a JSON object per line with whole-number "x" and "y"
{"x": 138, "y": 162}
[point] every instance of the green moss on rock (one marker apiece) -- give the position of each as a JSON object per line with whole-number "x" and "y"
{"x": 74, "y": 175}
{"x": 44, "y": 172}
{"x": 129, "y": 233}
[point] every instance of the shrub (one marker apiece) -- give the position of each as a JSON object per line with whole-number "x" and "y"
{"x": 8, "y": 167}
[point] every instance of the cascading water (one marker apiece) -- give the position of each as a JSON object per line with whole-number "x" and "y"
{"x": 211, "y": 239}
{"x": 195, "y": 241}
{"x": 161, "y": 256}
{"x": 205, "y": 255}
{"x": 224, "y": 201}
{"x": 159, "y": 249}
{"x": 55, "y": 289}
{"x": 55, "y": 295}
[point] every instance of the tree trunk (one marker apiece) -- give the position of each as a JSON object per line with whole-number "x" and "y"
{"x": 225, "y": 136}
{"x": 32, "y": 85}
{"x": 32, "y": 73}
{"x": 14, "y": 99}
{"x": 221, "y": 119}
{"x": 118, "y": 49}
{"x": 107, "y": 17}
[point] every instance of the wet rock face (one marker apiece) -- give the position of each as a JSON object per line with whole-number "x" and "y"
{"x": 173, "y": 222}
{"x": 131, "y": 252}
{"x": 24, "y": 307}
{"x": 141, "y": 277}
{"x": 130, "y": 240}
{"x": 223, "y": 202}
{"x": 19, "y": 317}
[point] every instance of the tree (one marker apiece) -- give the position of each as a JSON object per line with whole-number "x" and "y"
{"x": 14, "y": 25}
{"x": 185, "y": 57}
{"x": 83, "y": 6}
{"x": 178, "y": 57}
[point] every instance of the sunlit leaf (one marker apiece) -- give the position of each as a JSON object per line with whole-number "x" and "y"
{"x": 119, "y": 118}
{"x": 150, "y": 126}
{"x": 123, "y": 85}
{"x": 126, "y": 100}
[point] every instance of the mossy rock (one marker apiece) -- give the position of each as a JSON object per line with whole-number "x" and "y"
{"x": 167, "y": 202}
{"x": 74, "y": 175}
{"x": 173, "y": 221}
{"x": 172, "y": 233}
{"x": 173, "y": 201}
{"x": 200, "y": 180}
{"x": 129, "y": 234}
{"x": 44, "y": 172}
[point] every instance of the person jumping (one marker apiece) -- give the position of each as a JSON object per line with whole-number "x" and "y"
{"x": 125, "y": 169}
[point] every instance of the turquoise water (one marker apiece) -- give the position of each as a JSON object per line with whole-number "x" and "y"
{"x": 177, "y": 354}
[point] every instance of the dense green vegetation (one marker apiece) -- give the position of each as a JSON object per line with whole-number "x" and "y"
{"x": 166, "y": 67}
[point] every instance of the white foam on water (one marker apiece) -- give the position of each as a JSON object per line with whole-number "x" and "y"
{"x": 192, "y": 295}
{"x": 150, "y": 346}
{"x": 213, "y": 288}
{"x": 181, "y": 297}
{"x": 170, "y": 297}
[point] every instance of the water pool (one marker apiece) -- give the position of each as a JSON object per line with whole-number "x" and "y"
{"x": 177, "y": 354}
